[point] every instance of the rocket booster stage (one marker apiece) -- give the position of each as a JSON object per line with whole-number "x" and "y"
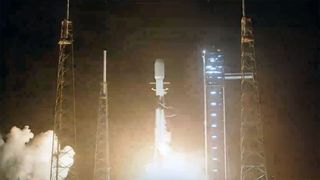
{"x": 162, "y": 136}
{"x": 159, "y": 77}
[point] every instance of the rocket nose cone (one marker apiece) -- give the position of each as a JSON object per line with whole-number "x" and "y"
{"x": 159, "y": 69}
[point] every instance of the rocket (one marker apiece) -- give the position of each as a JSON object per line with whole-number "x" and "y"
{"x": 159, "y": 77}
{"x": 162, "y": 136}
{"x": 104, "y": 82}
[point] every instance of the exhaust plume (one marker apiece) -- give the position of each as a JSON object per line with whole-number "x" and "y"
{"x": 176, "y": 166}
{"x": 24, "y": 156}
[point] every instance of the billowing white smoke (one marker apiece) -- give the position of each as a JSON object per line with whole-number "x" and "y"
{"x": 25, "y": 157}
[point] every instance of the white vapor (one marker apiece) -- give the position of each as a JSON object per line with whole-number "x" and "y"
{"x": 24, "y": 156}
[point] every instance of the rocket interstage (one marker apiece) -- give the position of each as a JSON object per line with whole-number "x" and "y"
{"x": 162, "y": 135}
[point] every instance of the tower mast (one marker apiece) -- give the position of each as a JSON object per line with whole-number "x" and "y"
{"x": 253, "y": 161}
{"x": 102, "y": 162}
{"x": 64, "y": 112}
{"x": 215, "y": 149}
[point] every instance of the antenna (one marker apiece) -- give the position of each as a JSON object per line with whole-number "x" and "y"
{"x": 243, "y": 8}
{"x": 68, "y": 9}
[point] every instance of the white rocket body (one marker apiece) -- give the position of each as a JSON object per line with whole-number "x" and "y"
{"x": 104, "y": 71}
{"x": 162, "y": 136}
{"x": 159, "y": 77}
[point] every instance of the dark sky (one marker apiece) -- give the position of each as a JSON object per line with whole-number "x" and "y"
{"x": 135, "y": 33}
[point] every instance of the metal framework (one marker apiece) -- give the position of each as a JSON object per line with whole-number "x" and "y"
{"x": 101, "y": 164}
{"x": 64, "y": 112}
{"x": 214, "y": 112}
{"x": 253, "y": 163}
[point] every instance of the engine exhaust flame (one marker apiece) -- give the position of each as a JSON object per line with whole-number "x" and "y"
{"x": 176, "y": 166}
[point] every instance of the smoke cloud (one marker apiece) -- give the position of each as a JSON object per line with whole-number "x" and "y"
{"x": 24, "y": 156}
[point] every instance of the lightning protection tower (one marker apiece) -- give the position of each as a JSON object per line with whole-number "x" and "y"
{"x": 101, "y": 163}
{"x": 64, "y": 112}
{"x": 253, "y": 162}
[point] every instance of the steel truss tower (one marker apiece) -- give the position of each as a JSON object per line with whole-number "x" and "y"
{"x": 101, "y": 163}
{"x": 253, "y": 162}
{"x": 64, "y": 112}
{"x": 214, "y": 123}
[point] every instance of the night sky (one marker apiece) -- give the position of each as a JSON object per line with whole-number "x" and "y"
{"x": 135, "y": 32}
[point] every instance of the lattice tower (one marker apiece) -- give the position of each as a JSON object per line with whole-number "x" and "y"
{"x": 102, "y": 163}
{"x": 253, "y": 161}
{"x": 64, "y": 112}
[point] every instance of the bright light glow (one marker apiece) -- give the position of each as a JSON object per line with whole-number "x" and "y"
{"x": 162, "y": 136}
{"x": 167, "y": 164}
{"x": 213, "y": 104}
{"x": 215, "y": 147}
{"x": 213, "y": 92}
{"x": 204, "y": 51}
{"x": 213, "y": 114}
{"x": 213, "y": 125}
{"x": 214, "y": 137}
{"x": 212, "y": 59}
{"x": 215, "y": 159}
{"x": 209, "y": 67}
{"x": 176, "y": 166}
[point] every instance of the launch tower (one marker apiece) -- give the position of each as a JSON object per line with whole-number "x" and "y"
{"x": 214, "y": 120}
{"x": 253, "y": 162}
{"x": 102, "y": 163}
{"x": 64, "y": 112}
